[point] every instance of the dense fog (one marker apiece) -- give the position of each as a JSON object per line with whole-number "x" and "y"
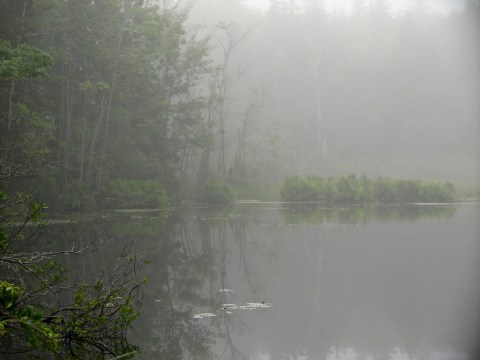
{"x": 381, "y": 88}
{"x": 240, "y": 179}
{"x": 186, "y": 93}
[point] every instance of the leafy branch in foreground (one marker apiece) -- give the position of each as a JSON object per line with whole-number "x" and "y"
{"x": 41, "y": 313}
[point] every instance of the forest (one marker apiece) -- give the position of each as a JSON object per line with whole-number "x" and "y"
{"x": 108, "y": 101}
{"x": 140, "y": 104}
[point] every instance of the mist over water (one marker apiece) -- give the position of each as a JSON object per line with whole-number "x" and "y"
{"x": 272, "y": 282}
{"x": 379, "y": 88}
{"x": 263, "y": 180}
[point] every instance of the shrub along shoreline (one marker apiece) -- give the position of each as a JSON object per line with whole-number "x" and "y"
{"x": 353, "y": 189}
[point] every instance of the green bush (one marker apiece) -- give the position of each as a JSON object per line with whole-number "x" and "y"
{"x": 437, "y": 192}
{"x": 297, "y": 188}
{"x": 217, "y": 193}
{"x": 76, "y": 197}
{"x": 353, "y": 189}
{"x": 84, "y": 320}
{"x": 385, "y": 191}
{"x": 135, "y": 194}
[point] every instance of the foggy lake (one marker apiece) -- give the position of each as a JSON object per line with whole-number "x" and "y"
{"x": 240, "y": 179}
{"x": 290, "y": 281}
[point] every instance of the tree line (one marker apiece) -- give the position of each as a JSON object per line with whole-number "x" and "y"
{"x": 100, "y": 104}
{"x": 123, "y": 103}
{"x": 369, "y": 92}
{"x": 102, "y": 96}
{"x": 131, "y": 98}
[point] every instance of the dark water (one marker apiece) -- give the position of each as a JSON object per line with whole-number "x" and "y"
{"x": 262, "y": 281}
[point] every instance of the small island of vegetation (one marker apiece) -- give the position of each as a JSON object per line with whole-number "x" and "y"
{"x": 354, "y": 189}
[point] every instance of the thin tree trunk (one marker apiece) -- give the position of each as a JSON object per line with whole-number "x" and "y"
{"x": 12, "y": 87}
{"x": 107, "y": 121}
{"x": 10, "y": 104}
{"x": 82, "y": 149}
{"x": 109, "y": 106}
{"x": 93, "y": 144}
{"x": 68, "y": 123}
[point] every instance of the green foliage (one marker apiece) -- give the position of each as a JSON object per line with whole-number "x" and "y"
{"x": 127, "y": 103}
{"x": 217, "y": 193}
{"x": 17, "y": 316}
{"x": 24, "y": 62}
{"x": 136, "y": 194}
{"x": 76, "y": 197}
{"x": 9, "y": 295}
{"x": 353, "y": 189}
{"x": 102, "y": 307}
{"x": 19, "y": 210}
{"x": 26, "y": 134}
{"x": 298, "y": 188}
{"x": 93, "y": 326}
{"x": 14, "y": 316}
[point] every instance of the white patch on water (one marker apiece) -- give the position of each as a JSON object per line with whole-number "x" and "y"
{"x": 202, "y": 315}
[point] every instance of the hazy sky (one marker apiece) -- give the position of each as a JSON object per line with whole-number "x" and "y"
{"x": 333, "y": 6}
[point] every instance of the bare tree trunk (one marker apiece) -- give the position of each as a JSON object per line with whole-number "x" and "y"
{"x": 82, "y": 148}
{"x": 12, "y": 87}
{"x": 107, "y": 122}
{"x": 223, "y": 84}
{"x": 68, "y": 122}
{"x": 93, "y": 143}
{"x": 10, "y": 104}
{"x": 185, "y": 166}
{"x": 109, "y": 105}
{"x": 204, "y": 170}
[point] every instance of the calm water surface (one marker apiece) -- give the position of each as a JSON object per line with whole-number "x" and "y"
{"x": 269, "y": 281}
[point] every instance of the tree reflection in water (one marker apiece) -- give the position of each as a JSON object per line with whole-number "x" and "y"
{"x": 215, "y": 262}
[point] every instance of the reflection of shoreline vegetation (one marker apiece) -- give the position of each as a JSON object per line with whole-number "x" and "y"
{"x": 177, "y": 267}
{"x": 138, "y": 225}
{"x": 364, "y": 214}
{"x": 353, "y": 189}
